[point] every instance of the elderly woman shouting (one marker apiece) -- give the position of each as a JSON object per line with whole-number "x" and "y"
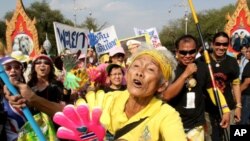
{"x": 137, "y": 113}
{"x": 149, "y": 74}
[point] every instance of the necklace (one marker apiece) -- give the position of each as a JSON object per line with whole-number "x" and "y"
{"x": 217, "y": 61}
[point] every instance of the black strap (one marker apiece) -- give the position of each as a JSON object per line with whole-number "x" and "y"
{"x": 127, "y": 128}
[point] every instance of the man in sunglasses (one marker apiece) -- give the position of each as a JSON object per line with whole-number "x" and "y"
{"x": 186, "y": 93}
{"x": 226, "y": 75}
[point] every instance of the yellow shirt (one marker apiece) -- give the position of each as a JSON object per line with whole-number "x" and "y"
{"x": 163, "y": 122}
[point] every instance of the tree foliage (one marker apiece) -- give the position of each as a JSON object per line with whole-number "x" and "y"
{"x": 210, "y": 21}
{"x": 45, "y": 18}
{"x": 91, "y": 24}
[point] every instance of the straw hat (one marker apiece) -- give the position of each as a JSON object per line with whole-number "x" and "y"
{"x": 19, "y": 56}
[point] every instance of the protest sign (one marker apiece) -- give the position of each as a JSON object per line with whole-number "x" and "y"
{"x": 154, "y": 38}
{"x": 70, "y": 38}
{"x": 107, "y": 39}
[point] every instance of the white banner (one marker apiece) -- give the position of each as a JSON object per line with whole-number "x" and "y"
{"x": 155, "y": 40}
{"x": 107, "y": 39}
{"x": 71, "y": 38}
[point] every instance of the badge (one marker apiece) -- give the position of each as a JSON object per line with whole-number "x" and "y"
{"x": 217, "y": 65}
{"x": 191, "y": 82}
{"x": 190, "y": 100}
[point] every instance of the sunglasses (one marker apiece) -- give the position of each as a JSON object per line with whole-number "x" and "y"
{"x": 184, "y": 52}
{"x": 38, "y": 62}
{"x": 221, "y": 44}
{"x": 15, "y": 67}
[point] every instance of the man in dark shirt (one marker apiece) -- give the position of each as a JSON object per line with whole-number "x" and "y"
{"x": 186, "y": 94}
{"x": 226, "y": 76}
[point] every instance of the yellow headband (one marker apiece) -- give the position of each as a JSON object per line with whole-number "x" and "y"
{"x": 160, "y": 58}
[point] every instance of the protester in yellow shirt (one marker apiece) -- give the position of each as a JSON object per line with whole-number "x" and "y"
{"x": 148, "y": 75}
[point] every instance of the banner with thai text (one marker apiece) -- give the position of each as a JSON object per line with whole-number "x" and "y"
{"x": 70, "y": 38}
{"x": 155, "y": 40}
{"x": 107, "y": 39}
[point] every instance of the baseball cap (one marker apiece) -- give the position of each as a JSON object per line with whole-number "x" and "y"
{"x": 116, "y": 50}
{"x": 18, "y": 55}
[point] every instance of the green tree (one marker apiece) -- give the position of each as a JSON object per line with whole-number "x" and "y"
{"x": 210, "y": 22}
{"x": 2, "y": 31}
{"x": 45, "y": 18}
{"x": 91, "y": 24}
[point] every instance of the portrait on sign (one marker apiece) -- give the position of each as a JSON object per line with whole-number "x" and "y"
{"x": 141, "y": 38}
{"x": 22, "y": 42}
{"x": 240, "y": 37}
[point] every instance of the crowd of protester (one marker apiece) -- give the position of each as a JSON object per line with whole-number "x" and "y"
{"x": 172, "y": 91}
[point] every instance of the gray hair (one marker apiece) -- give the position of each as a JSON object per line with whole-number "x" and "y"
{"x": 163, "y": 50}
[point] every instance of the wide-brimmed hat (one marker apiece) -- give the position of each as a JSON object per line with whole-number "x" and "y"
{"x": 19, "y": 56}
{"x": 131, "y": 42}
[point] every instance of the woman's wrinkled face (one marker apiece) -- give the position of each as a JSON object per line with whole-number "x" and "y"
{"x": 14, "y": 70}
{"x": 143, "y": 77}
{"x": 42, "y": 67}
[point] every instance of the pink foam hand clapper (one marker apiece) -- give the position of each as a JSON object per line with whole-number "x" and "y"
{"x": 93, "y": 73}
{"x": 78, "y": 125}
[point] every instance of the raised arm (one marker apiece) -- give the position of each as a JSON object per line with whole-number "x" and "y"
{"x": 175, "y": 88}
{"x": 27, "y": 95}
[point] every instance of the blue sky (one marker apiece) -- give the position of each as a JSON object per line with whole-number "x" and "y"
{"x": 124, "y": 14}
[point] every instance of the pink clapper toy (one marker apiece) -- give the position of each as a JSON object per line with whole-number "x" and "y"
{"x": 78, "y": 125}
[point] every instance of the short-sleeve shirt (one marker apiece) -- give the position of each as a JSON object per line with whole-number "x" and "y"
{"x": 53, "y": 92}
{"x": 163, "y": 121}
{"x": 192, "y": 117}
{"x": 224, "y": 75}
